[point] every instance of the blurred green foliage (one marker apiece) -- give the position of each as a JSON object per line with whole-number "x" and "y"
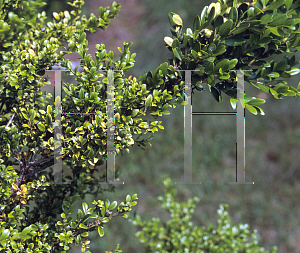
{"x": 178, "y": 234}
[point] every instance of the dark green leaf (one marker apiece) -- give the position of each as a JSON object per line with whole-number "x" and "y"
{"x": 177, "y": 53}
{"x": 215, "y": 93}
{"x": 241, "y": 28}
{"x": 209, "y": 68}
{"x": 220, "y": 50}
{"x": 233, "y": 14}
{"x": 235, "y": 41}
{"x": 197, "y": 21}
{"x": 175, "y": 43}
{"x": 211, "y": 15}
{"x": 225, "y": 28}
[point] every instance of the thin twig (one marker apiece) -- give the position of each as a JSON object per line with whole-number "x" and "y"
{"x": 11, "y": 120}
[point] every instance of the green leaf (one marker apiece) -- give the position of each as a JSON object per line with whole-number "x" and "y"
{"x": 281, "y": 88}
{"x": 56, "y": 16}
{"x": 216, "y": 94}
{"x": 128, "y": 198}
{"x": 288, "y": 4}
{"x": 220, "y": 50}
{"x": 69, "y": 64}
{"x": 84, "y": 207}
{"x": 174, "y": 19}
{"x": 100, "y": 231}
{"x": 233, "y": 14}
{"x": 233, "y": 103}
{"x": 203, "y": 16}
{"x": 275, "y": 5}
{"x": 279, "y": 20}
{"x": 209, "y": 68}
{"x": 168, "y": 41}
{"x": 81, "y": 93}
{"x": 256, "y": 101}
{"x": 82, "y": 37}
{"x": 41, "y": 127}
{"x": 261, "y": 87}
{"x": 79, "y": 214}
{"x": 273, "y": 75}
{"x": 81, "y": 225}
{"x": 197, "y": 21}
{"x": 175, "y": 43}
{"x": 224, "y": 64}
{"x": 112, "y": 205}
{"x": 274, "y": 30}
{"x": 232, "y": 63}
{"x": 266, "y": 19}
{"x": 225, "y": 28}
{"x": 251, "y": 109}
{"x": 241, "y": 28}
{"x": 235, "y": 41}
{"x": 177, "y": 53}
{"x": 148, "y": 101}
{"x": 4, "y": 235}
{"x": 293, "y": 71}
{"x": 101, "y": 11}
{"x": 177, "y": 20}
{"x": 211, "y": 15}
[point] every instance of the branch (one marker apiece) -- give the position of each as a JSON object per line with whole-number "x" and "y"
{"x": 11, "y": 120}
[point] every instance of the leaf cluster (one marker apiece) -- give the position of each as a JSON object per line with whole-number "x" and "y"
{"x": 239, "y": 35}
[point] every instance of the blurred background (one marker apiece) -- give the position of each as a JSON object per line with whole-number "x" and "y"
{"x": 271, "y": 205}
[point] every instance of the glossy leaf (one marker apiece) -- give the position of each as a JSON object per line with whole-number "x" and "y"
{"x": 275, "y": 4}
{"x": 225, "y": 28}
{"x": 235, "y": 41}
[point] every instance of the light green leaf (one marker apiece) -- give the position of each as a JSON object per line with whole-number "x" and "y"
{"x": 293, "y": 71}
{"x": 275, "y": 5}
{"x": 112, "y": 205}
{"x": 168, "y": 41}
{"x": 148, "y": 101}
{"x": 177, "y": 19}
{"x": 274, "y": 30}
{"x": 273, "y": 75}
{"x": 233, "y": 103}
{"x": 41, "y": 127}
{"x": 56, "y": 16}
{"x": 251, "y": 109}
{"x": 101, "y": 231}
{"x": 288, "y": 4}
{"x": 84, "y": 207}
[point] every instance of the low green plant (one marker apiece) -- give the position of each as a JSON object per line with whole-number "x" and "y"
{"x": 179, "y": 234}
